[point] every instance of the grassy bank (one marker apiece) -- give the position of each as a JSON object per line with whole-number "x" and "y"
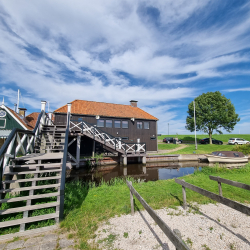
{"x": 87, "y": 206}
{"x": 223, "y": 137}
{"x": 168, "y": 146}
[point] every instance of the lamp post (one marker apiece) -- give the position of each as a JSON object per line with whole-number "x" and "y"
{"x": 195, "y": 128}
{"x": 168, "y": 128}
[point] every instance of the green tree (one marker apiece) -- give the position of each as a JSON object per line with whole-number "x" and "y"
{"x": 213, "y": 111}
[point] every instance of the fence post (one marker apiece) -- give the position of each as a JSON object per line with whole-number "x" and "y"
{"x": 220, "y": 188}
{"x": 178, "y": 234}
{"x": 132, "y": 200}
{"x": 184, "y": 197}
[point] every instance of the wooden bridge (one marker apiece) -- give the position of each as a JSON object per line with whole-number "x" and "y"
{"x": 33, "y": 166}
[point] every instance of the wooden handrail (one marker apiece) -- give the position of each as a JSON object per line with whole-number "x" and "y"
{"x": 172, "y": 235}
{"x": 233, "y": 204}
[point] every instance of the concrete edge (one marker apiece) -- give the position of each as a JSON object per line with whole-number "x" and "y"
{"x": 29, "y": 232}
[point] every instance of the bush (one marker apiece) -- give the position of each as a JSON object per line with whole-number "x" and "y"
{"x": 245, "y": 149}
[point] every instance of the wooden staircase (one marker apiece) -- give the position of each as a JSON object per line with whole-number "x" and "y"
{"x": 32, "y": 186}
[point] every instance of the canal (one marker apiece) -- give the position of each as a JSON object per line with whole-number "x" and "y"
{"x": 148, "y": 172}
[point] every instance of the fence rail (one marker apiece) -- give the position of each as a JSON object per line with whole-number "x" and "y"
{"x": 229, "y": 182}
{"x": 107, "y": 139}
{"x": 172, "y": 235}
{"x": 233, "y": 204}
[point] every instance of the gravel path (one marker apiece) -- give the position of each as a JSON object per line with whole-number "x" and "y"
{"x": 211, "y": 226}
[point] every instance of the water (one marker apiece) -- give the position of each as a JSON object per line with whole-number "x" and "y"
{"x": 148, "y": 172}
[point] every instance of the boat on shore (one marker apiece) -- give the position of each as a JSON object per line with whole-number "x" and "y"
{"x": 226, "y": 157}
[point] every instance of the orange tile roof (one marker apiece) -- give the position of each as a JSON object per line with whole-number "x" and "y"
{"x": 21, "y": 119}
{"x": 106, "y": 109}
{"x": 32, "y": 118}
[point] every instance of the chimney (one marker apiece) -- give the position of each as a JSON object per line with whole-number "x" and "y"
{"x": 133, "y": 103}
{"x": 15, "y": 105}
{"x": 22, "y": 111}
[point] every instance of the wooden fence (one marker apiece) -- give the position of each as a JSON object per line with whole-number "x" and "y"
{"x": 219, "y": 198}
{"x": 174, "y": 236}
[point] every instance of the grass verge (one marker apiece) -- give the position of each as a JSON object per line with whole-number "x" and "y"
{"x": 168, "y": 146}
{"x": 87, "y": 205}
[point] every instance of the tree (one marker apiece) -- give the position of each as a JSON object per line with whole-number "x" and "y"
{"x": 213, "y": 111}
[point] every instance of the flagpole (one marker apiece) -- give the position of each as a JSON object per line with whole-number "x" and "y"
{"x": 195, "y": 128}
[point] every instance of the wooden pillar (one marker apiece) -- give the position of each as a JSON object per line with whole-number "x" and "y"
{"x": 125, "y": 171}
{"x": 78, "y": 147}
{"x": 93, "y": 149}
{"x": 132, "y": 200}
{"x": 125, "y": 162}
{"x": 144, "y": 160}
{"x": 220, "y": 189}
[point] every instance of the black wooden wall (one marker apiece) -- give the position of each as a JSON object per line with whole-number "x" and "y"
{"x": 148, "y": 136}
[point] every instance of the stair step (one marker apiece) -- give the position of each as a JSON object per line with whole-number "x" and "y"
{"x": 33, "y": 179}
{"x": 28, "y": 208}
{"x": 34, "y": 172}
{"x": 39, "y": 165}
{"x": 3, "y": 191}
{"x": 30, "y": 197}
{"x": 28, "y": 220}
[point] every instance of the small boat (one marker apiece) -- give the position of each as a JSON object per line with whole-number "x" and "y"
{"x": 226, "y": 157}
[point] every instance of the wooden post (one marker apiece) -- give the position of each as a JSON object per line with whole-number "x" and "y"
{"x": 78, "y": 146}
{"x": 220, "y": 189}
{"x": 184, "y": 197}
{"x": 93, "y": 149}
{"x": 177, "y": 233}
{"x": 132, "y": 200}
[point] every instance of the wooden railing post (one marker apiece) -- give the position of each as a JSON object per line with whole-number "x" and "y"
{"x": 178, "y": 234}
{"x": 184, "y": 197}
{"x": 220, "y": 188}
{"x": 132, "y": 200}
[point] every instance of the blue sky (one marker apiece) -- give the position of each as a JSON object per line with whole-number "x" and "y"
{"x": 161, "y": 53}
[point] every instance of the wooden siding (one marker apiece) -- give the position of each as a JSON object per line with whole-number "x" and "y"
{"x": 10, "y": 122}
{"x": 132, "y": 132}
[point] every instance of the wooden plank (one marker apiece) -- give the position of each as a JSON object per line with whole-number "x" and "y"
{"x": 33, "y": 179}
{"x": 28, "y": 188}
{"x": 233, "y": 204}
{"x": 164, "y": 227}
{"x": 229, "y": 182}
{"x": 24, "y": 198}
{"x": 28, "y": 208}
{"x": 35, "y": 172}
{"x": 47, "y": 164}
{"x": 28, "y": 220}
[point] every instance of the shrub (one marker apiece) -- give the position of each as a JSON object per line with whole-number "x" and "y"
{"x": 245, "y": 149}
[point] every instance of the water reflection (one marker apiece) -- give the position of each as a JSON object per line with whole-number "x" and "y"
{"x": 148, "y": 172}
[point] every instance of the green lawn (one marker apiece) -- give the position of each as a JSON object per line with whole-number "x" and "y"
{"x": 202, "y": 149}
{"x": 168, "y": 146}
{"x": 88, "y": 206}
{"x": 223, "y": 137}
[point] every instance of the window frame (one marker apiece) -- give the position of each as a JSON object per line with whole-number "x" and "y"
{"x": 115, "y": 123}
{"x": 2, "y": 119}
{"x": 125, "y": 122}
{"x": 137, "y": 123}
{"x": 99, "y": 121}
{"x": 144, "y": 125}
{"x": 106, "y": 123}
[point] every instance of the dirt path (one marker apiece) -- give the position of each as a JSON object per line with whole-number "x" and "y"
{"x": 172, "y": 150}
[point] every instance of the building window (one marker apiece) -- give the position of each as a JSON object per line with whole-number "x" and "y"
{"x": 117, "y": 124}
{"x": 2, "y": 123}
{"x": 139, "y": 125}
{"x": 146, "y": 125}
{"x": 152, "y": 138}
{"x": 108, "y": 123}
{"x": 79, "y": 119}
{"x": 125, "y": 138}
{"x": 100, "y": 123}
{"x": 124, "y": 124}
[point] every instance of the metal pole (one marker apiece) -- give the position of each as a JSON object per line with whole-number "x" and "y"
{"x": 195, "y": 128}
{"x": 168, "y": 128}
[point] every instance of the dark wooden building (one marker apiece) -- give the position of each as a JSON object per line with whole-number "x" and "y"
{"x": 127, "y": 122}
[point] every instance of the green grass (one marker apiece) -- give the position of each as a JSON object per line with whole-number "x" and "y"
{"x": 167, "y": 146}
{"x": 202, "y": 149}
{"x": 223, "y": 137}
{"x": 89, "y": 206}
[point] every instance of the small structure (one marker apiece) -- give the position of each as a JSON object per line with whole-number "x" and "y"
{"x": 127, "y": 123}
{"x": 9, "y": 119}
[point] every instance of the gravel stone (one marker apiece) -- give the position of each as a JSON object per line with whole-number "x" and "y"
{"x": 50, "y": 237}
{"x": 215, "y": 226}
{"x": 14, "y": 245}
{"x": 36, "y": 247}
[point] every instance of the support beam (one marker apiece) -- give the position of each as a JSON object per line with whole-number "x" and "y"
{"x": 93, "y": 149}
{"x": 144, "y": 160}
{"x": 125, "y": 160}
{"x": 78, "y": 147}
